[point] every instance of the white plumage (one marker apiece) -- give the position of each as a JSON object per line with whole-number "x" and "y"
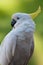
{"x": 18, "y": 45}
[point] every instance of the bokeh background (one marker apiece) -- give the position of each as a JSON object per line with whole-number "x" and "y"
{"x": 8, "y": 7}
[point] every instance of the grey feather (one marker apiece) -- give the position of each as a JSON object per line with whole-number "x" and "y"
{"x": 18, "y": 45}
{"x": 23, "y": 52}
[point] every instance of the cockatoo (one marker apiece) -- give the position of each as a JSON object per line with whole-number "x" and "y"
{"x": 18, "y": 45}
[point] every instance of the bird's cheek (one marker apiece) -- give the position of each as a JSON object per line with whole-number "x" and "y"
{"x": 17, "y": 24}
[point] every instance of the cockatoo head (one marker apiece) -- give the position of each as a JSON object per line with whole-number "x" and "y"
{"x": 19, "y": 17}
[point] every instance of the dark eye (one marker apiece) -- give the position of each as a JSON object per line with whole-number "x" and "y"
{"x": 18, "y": 18}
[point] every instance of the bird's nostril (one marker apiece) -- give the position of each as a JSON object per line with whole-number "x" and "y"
{"x": 13, "y": 22}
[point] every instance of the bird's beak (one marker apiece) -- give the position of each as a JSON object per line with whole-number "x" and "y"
{"x": 35, "y": 14}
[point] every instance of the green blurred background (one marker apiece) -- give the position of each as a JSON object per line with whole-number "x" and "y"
{"x": 8, "y": 7}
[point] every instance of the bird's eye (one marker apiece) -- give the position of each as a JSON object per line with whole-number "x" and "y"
{"x": 18, "y": 18}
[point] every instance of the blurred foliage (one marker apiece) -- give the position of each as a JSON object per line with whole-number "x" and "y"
{"x": 8, "y": 7}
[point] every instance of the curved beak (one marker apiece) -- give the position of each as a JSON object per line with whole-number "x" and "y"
{"x": 35, "y": 14}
